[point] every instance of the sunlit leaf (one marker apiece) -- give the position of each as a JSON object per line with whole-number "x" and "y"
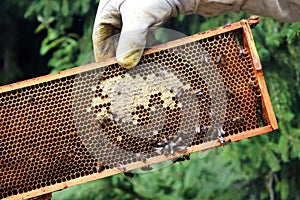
{"x": 283, "y": 147}
{"x": 284, "y": 189}
{"x": 40, "y": 28}
{"x": 65, "y": 8}
{"x": 54, "y": 5}
{"x": 272, "y": 160}
{"x": 46, "y": 48}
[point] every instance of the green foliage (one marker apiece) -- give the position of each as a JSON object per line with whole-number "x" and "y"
{"x": 68, "y": 37}
{"x": 192, "y": 179}
{"x": 264, "y": 167}
{"x": 293, "y": 33}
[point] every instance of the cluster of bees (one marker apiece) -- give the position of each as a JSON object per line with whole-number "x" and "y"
{"x": 170, "y": 145}
{"x": 175, "y": 144}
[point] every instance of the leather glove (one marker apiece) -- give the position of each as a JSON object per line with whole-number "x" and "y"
{"x": 134, "y": 18}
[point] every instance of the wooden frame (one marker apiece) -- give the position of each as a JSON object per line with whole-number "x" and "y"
{"x": 267, "y": 106}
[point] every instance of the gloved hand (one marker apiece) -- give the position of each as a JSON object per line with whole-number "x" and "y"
{"x": 135, "y": 17}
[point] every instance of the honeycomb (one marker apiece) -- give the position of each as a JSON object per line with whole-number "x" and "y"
{"x": 201, "y": 90}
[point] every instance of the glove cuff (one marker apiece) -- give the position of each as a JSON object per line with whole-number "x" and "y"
{"x": 207, "y": 7}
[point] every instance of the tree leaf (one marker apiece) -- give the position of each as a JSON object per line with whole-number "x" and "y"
{"x": 31, "y": 9}
{"x": 54, "y": 5}
{"x": 284, "y": 189}
{"x": 283, "y": 147}
{"x": 296, "y": 143}
{"x": 39, "y": 28}
{"x": 295, "y": 146}
{"x": 272, "y": 160}
{"x": 293, "y": 32}
{"x": 47, "y": 47}
{"x": 65, "y": 8}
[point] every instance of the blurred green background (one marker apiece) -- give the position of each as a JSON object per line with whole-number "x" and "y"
{"x": 38, "y": 37}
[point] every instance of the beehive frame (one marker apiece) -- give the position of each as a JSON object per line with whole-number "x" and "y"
{"x": 29, "y": 139}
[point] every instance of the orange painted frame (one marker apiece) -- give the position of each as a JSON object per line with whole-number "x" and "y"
{"x": 269, "y": 115}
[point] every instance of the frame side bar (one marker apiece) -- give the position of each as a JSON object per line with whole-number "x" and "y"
{"x": 266, "y": 101}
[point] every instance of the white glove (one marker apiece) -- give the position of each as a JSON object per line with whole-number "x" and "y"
{"x": 135, "y": 17}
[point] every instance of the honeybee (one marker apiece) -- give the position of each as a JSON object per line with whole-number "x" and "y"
{"x": 171, "y": 150}
{"x": 128, "y": 174}
{"x": 100, "y": 77}
{"x": 199, "y": 93}
{"x": 112, "y": 116}
{"x": 220, "y": 131}
{"x": 122, "y": 168}
{"x": 105, "y": 120}
{"x": 139, "y": 156}
{"x": 198, "y": 129}
{"x": 147, "y": 168}
{"x": 220, "y": 59}
{"x": 162, "y": 73}
{"x": 228, "y": 91}
{"x": 242, "y": 51}
{"x": 167, "y": 149}
{"x": 158, "y": 150}
{"x": 29, "y": 98}
{"x": 187, "y": 156}
{"x": 181, "y": 149}
{"x": 181, "y": 158}
{"x": 206, "y": 128}
{"x": 179, "y": 93}
{"x": 237, "y": 120}
{"x": 100, "y": 167}
{"x": 251, "y": 84}
{"x": 222, "y": 140}
{"x": 179, "y": 140}
{"x": 212, "y": 115}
